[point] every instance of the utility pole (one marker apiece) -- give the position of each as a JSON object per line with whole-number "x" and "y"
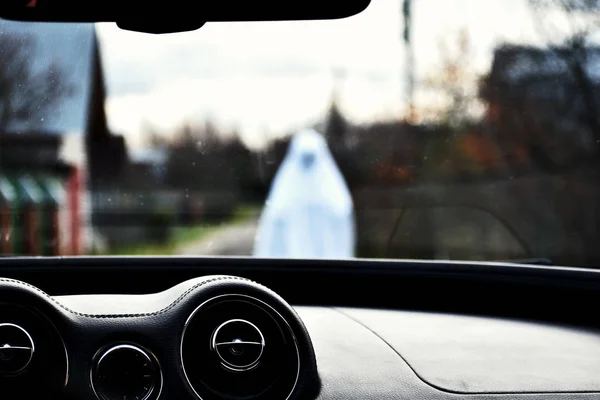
{"x": 409, "y": 59}
{"x": 334, "y": 123}
{"x": 339, "y": 76}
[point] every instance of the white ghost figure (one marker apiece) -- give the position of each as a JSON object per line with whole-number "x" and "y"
{"x": 309, "y": 211}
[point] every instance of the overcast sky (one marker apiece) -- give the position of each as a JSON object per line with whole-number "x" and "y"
{"x": 266, "y": 78}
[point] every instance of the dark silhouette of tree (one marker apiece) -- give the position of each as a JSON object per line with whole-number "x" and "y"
{"x": 203, "y": 158}
{"x": 338, "y": 132}
{"x": 569, "y": 42}
{"x": 152, "y": 137}
{"x": 336, "y": 125}
{"x": 25, "y": 95}
{"x": 209, "y": 165}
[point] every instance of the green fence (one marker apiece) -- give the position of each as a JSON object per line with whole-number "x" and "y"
{"x": 29, "y": 211}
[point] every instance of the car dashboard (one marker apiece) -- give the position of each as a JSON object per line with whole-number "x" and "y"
{"x": 216, "y": 329}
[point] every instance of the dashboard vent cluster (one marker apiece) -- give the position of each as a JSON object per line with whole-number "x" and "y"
{"x": 239, "y": 347}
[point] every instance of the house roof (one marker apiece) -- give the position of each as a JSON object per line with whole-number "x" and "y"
{"x": 514, "y": 63}
{"x": 72, "y": 47}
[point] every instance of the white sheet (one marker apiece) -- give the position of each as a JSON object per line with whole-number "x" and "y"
{"x": 309, "y": 211}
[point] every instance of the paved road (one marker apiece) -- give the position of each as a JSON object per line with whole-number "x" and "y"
{"x": 234, "y": 240}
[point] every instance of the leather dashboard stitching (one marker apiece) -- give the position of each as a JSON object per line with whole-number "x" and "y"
{"x": 106, "y": 316}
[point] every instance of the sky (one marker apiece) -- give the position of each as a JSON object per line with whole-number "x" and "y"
{"x": 264, "y": 79}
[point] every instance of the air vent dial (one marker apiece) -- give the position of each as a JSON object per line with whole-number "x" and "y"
{"x": 126, "y": 372}
{"x": 16, "y": 349}
{"x": 237, "y": 346}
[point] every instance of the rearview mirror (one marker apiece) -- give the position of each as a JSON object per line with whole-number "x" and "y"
{"x": 164, "y": 16}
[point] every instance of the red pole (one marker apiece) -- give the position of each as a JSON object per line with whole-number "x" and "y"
{"x": 55, "y": 231}
{"x": 74, "y": 209}
{"x": 31, "y": 229}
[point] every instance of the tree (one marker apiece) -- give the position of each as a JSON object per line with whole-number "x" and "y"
{"x": 201, "y": 158}
{"x": 455, "y": 81}
{"x": 152, "y": 137}
{"x": 335, "y": 125}
{"x": 460, "y": 146}
{"x": 27, "y": 96}
{"x": 569, "y": 26}
{"x": 557, "y": 20}
{"x": 542, "y": 101}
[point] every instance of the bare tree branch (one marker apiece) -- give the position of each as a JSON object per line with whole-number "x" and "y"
{"x": 27, "y": 96}
{"x": 582, "y": 19}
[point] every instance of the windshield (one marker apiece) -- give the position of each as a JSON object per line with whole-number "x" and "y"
{"x": 423, "y": 129}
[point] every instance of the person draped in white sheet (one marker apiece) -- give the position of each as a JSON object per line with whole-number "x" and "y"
{"x": 309, "y": 211}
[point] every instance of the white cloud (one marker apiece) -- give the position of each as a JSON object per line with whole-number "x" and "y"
{"x": 261, "y": 105}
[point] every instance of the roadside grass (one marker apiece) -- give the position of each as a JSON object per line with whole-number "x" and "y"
{"x": 184, "y": 235}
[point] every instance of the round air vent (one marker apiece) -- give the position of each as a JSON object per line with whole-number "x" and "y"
{"x": 33, "y": 358}
{"x": 236, "y": 346}
{"x": 126, "y": 371}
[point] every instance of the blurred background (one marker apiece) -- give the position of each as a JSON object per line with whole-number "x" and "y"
{"x": 464, "y": 129}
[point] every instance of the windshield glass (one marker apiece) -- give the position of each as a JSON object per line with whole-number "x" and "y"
{"x": 423, "y": 129}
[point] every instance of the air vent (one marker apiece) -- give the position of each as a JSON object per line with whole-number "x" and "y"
{"x": 239, "y": 347}
{"x": 33, "y": 358}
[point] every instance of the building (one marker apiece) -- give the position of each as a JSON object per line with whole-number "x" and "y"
{"x": 70, "y": 145}
{"x": 542, "y": 103}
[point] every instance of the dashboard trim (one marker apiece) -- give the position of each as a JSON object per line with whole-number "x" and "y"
{"x": 114, "y": 316}
{"x": 64, "y": 345}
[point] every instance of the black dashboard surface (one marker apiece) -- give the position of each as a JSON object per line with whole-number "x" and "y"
{"x": 466, "y": 354}
{"x": 354, "y": 363}
{"x": 454, "y": 353}
{"x": 385, "y": 331}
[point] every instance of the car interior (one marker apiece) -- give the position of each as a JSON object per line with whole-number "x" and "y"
{"x": 253, "y": 328}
